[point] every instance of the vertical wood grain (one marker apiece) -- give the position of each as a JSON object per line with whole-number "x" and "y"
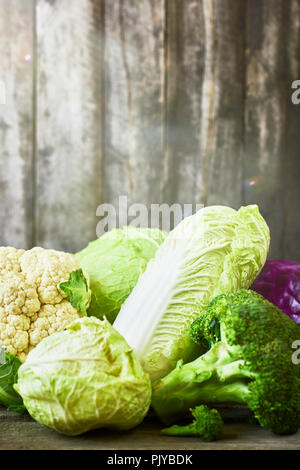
{"x": 185, "y": 69}
{"x": 205, "y": 100}
{"x": 69, "y": 129}
{"x": 134, "y": 100}
{"x": 290, "y": 247}
{"x": 271, "y": 141}
{"x": 16, "y": 123}
{"x": 160, "y": 100}
{"x": 222, "y": 129}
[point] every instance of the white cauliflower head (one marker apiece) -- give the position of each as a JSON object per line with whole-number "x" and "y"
{"x": 32, "y": 306}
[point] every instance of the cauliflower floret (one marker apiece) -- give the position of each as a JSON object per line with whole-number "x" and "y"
{"x": 31, "y": 304}
{"x": 17, "y": 295}
{"x": 10, "y": 259}
{"x": 47, "y": 269}
{"x": 50, "y": 320}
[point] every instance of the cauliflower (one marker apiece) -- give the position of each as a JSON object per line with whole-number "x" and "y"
{"x": 32, "y": 305}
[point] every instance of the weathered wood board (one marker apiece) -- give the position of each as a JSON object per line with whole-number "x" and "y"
{"x": 205, "y": 69}
{"x": 69, "y": 113}
{"x": 17, "y": 123}
{"x": 272, "y": 143}
{"x": 134, "y": 101}
{"x": 290, "y": 187}
{"x": 20, "y": 432}
{"x": 157, "y": 100}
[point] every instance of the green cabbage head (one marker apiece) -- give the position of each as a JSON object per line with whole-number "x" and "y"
{"x": 114, "y": 263}
{"x": 86, "y": 377}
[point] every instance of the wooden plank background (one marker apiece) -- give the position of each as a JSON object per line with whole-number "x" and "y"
{"x": 171, "y": 101}
{"x": 17, "y": 123}
{"x": 20, "y": 431}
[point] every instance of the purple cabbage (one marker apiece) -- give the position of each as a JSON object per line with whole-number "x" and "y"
{"x": 279, "y": 282}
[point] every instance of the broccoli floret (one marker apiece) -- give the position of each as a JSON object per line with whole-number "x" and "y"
{"x": 249, "y": 362}
{"x": 207, "y": 424}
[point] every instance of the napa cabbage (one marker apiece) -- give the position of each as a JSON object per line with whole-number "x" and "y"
{"x": 215, "y": 251}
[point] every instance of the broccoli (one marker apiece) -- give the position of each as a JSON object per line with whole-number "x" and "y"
{"x": 207, "y": 424}
{"x": 249, "y": 361}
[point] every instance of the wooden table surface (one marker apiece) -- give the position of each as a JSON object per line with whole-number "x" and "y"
{"x": 21, "y": 432}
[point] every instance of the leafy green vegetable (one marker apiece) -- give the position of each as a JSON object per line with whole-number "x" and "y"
{"x": 77, "y": 290}
{"x": 114, "y": 263}
{"x": 250, "y": 362}
{"x": 84, "y": 378}
{"x": 215, "y": 251}
{"x": 9, "y": 366}
{"x": 207, "y": 424}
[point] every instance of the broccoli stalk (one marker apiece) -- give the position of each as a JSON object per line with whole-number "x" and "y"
{"x": 215, "y": 377}
{"x": 207, "y": 424}
{"x": 249, "y": 362}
